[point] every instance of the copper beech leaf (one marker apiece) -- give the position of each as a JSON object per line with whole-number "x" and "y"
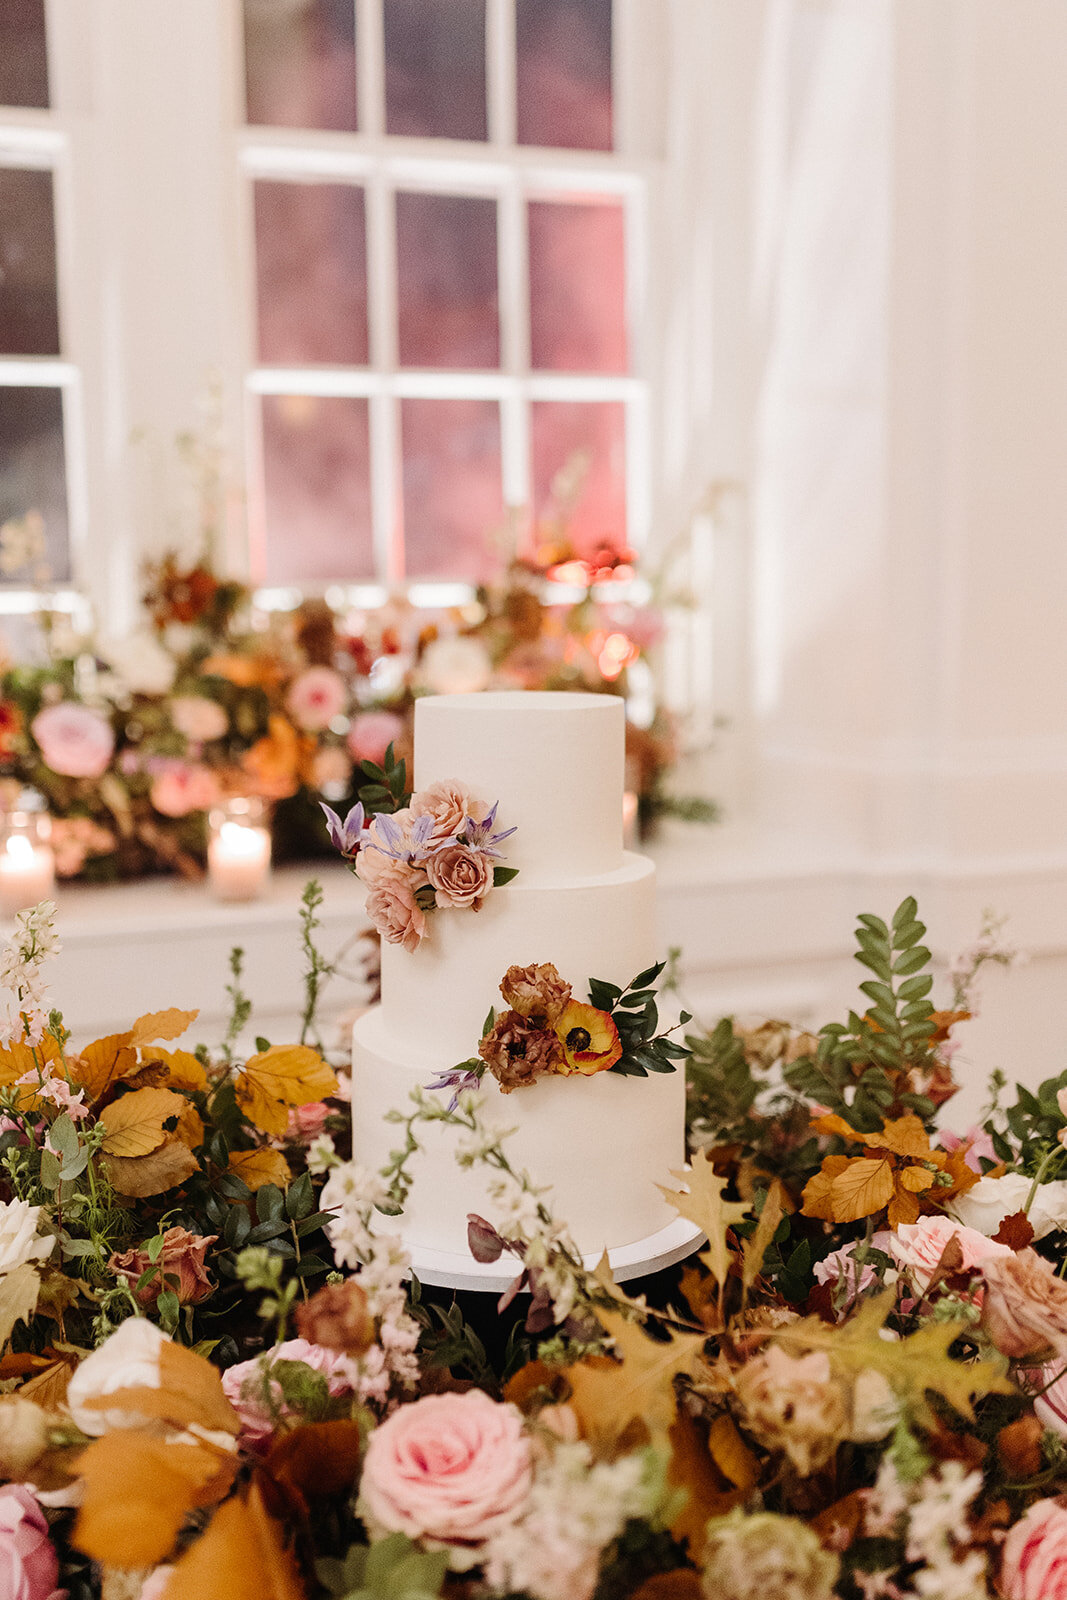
{"x": 138, "y": 1490}
{"x": 103, "y": 1063}
{"x": 240, "y": 1556}
{"x": 259, "y": 1167}
{"x": 702, "y": 1202}
{"x": 170, "y": 1024}
{"x": 134, "y": 1123}
{"x": 183, "y": 1069}
{"x": 609, "y": 1395}
{"x": 142, "y": 1176}
{"x": 189, "y": 1392}
{"x": 275, "y": 1080}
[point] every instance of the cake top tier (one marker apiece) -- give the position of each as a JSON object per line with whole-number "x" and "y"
{"x": 555, "y": 763}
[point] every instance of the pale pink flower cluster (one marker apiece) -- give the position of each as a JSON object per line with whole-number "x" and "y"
{"x": 258, "y": 1398}
{"x": 424, "y": 858}
{"x": 934, "y": 1511}
{"x": 74, "y": 740}
{"x": 57, "y": 1090}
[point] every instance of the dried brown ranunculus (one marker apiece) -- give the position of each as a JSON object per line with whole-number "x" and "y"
{"x": 337, "y": 1317}
{"x": 536, "y": 991}
{"x": 517, "y": 1052}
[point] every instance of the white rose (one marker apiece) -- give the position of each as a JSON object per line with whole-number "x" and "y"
{"x": 992, "y": 1199}
{"x": 455, "y": 666}
{"x": 127, "y": 1359}
{"x": 18, "y": 1236}
{"x": 198, "y": 717}
{"x": 141, "y": 664}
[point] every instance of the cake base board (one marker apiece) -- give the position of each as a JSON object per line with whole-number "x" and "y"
{"x": 447, "y": 1270}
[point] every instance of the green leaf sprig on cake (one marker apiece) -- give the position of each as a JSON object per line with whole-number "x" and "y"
{"x": 438, "y": 849}
{"x": 546, "y": 1031}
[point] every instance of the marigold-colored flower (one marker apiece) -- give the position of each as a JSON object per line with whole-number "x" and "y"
{"x": 589, "y": 1038}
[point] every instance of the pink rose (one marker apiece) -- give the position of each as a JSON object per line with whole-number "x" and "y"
{"x": 917, "y": 1247}
{"x": 199, "y": 717}
{"x": 460, "y": 877}
{"x": 842, "y": 1264}
{"x": 182, "y": 1258}
{"x": 75, "y": 741}
{"x": 1034, "y": 1563}
{"x": 29, "y": 1566}
{"x": 1050, "y": 1406}
{"x": 306, "y": 1122}
{"x": 182, "y": 787}
{"x": 449, "y": 804}
{"x": 377, "y": 868}
{"x": 315, "y": 697}
{"x": 371, "y": 734}
{"x": 1025, "y": 1306}
{"x": 246, "y": 1386}
{"x": 449, "y": 1468}
{"x": 392, "y": 909}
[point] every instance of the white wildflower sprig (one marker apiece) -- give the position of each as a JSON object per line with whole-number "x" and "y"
{"x": 929, "y": 1512}
{"x": 989, "y": 949}
{"x": 23, "y": 1017}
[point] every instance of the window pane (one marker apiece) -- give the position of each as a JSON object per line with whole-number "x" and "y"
{"x": 300, "y": 63}
{"x": 311, "y": 273}
{"x": 564, "y": 73}
{"x": 435, "y": 68}
{"x": 316, "y": 470}
{"x": 453, "y": 499}
{"x": 29, "y": 311}
{"x": 577, "y": 287}
{"x": 23, "y": 54}
{"x": 446, "y": 281}
{"x": 33, "y": 474}
{"x": 579, "y": 471}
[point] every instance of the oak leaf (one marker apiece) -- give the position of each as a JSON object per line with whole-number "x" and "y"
{"x": 275, "y": 1080}
{"x": 137, "y": 1492}
{"x": 241, "y": 1556}
{"x": 170, "y": 1024}
{"x": 134, "y": 1123}
{"x": 701, "y": 1202}
{"x": 1016, "y": 1231}
{"x": 160, "y": 1170}
{"x": 259, "y": 1167}
{"x": 607, "y": 1396}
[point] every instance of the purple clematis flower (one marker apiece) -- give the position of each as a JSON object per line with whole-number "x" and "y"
{"x": 456, "y": 1079}
{"x": 480, "y": 835}
{"x": 410, "y": 847}
{"x": 346, "y": 836}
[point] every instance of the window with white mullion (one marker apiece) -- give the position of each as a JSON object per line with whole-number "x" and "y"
{"x": 500, "y": 71}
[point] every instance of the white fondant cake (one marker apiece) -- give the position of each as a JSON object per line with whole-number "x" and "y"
{"x": 554, "y": 762}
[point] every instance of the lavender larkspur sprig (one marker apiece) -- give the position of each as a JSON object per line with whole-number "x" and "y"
{"x": 480, "y": 835}
{"x": 347, "y": 836}
{"x": 457, "y": 1079}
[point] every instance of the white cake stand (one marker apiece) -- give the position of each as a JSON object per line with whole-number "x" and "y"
{"x": 449, "y": 1270}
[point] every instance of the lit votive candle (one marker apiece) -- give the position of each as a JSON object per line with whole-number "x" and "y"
{"x": 27, "y": 873}
{"x": 238, "y": 852}
{"x": 629, "y": 820}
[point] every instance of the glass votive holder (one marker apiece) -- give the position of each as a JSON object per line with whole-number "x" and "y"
{"x": 238, "y": 848}
{"x": 27, "y": 861}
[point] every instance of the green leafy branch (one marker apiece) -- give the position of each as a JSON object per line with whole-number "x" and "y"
{"x": 386, "y": 788}
{"x": 636, "y": 1015}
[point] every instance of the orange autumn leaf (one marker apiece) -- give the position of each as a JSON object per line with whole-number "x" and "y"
{"x": 134, "y": 1124}
{"x": 905, "y": 1136}
{"x": 169, "y": 1024}
{"x": 818, "y": 1191}
{"x": 693, "y": 1468}
{"x": 241, "y": 1556}
{"x": 317, "y": 1460}
{"x": 103, "y": 1063}
{"x": 607, "y": 1396}
{"x": 137, "y": 1492}
{"x": 189, "y": 1392}
{"x": 903, "y": 1207}
{"x": 276, "y": 1080}
{"x": 863, "y": 1186}
{"x": 17, "y": 1059}
{"x": 183, "y": 1069}
{"x": 259, "y": 1167}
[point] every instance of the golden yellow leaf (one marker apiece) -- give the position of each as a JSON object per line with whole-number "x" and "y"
{"x": 134, "y": 1123}
{"x": 155, "y": 1173}
{"x": 754, "y": 1248}
{"x": 608, "y": 1395}
{"x": 241, "y": 1556}
{"x": 103, "y": 1063}
{"x": 692, "y": 1468}
{"x": 817, "y": 1199}
{"x": 138, "y": 1490}
{"x": 258, "y": 1167}
{"x": 154, "y": 1025}
{"x": 18, "y": 1298}
{"x": 190, "y": 1127}
{"x": 48, "y": 1386}
{"x": 905, "y": 1136}
{"x": 916, "y": 1179}
{"x": 702, "y": 1203}
{"x": 277, "y": 1079}
{"x": 862, "y": 1188}
{"x": 17, "y": 1059}
{"x": 904, "y": 1207}
{"x": 731, "y": 1454}
{"x": 183, "y": 1069}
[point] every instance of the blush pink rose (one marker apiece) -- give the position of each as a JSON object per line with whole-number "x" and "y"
{"x": 182, "y": 787}
{"x": 1034, "y": 1563}
{"x": 306, "y": 1122}
{"x": 75, "y": 741}
{"x": 917, "y": 1247}
{"x": 460, "y": 877}
{"x": 315, "y": 697}
{"x": 371, "y": 734}
{"x": 392, "y": 909}
{"x": 1050, "y": 1406}
{"x": 449, "y": 804}
{"x": 29, "y": 1566}
{"x": 376, "y": 868}
{"x": 841, "y": 1264}
{"x": 451, "y": 1469}
{"x": 246, "y": 1384}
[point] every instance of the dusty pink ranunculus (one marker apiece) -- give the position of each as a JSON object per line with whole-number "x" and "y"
{"x": 392, "y": 909}
{"x": 450, "y": 1469}
{"x": 449, "y": 804}
{"x": 29, "y": 1566}
{"x": 1024, "y": 1310}
{"x": 917, "y": 1247}
{"x": 246, "y": 1386}
{"x": 75, "y": 740}
{"x": 306, "y": 1122}
{"x": 182, "y": 1258}
{"x": 1034, "y": 1562}
{"x": 182, "y": 787}
{"x": 315, "y": 697}
{"x": 460, "y": 877}
{"x": 371, "y": 734}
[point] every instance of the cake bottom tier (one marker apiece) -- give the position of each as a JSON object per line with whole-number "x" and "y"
{"x": 600, "y": 1144}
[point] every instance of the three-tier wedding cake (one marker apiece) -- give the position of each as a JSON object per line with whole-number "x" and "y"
{"x": 553, "y": 763}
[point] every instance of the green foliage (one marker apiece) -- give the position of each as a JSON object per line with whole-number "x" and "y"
{"x": 387, "y": 787}
{"x": 448, "y": 1341}
{"x": 1027, "y": 1133}
{"x": 316, "y": 968}
{"x": 240, "y": 1004}
{"x": 391, "y": 1569}
{"x": 636, "y": 1016}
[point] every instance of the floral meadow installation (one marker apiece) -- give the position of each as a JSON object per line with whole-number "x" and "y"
{"x": 220, "y": 1380}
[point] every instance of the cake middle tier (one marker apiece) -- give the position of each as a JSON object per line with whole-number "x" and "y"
{"x": 435, "y": 999}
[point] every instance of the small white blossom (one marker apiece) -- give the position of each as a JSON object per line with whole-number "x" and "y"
{"x": 321, "y": 1155}
{"x": 939, "y": 1513}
